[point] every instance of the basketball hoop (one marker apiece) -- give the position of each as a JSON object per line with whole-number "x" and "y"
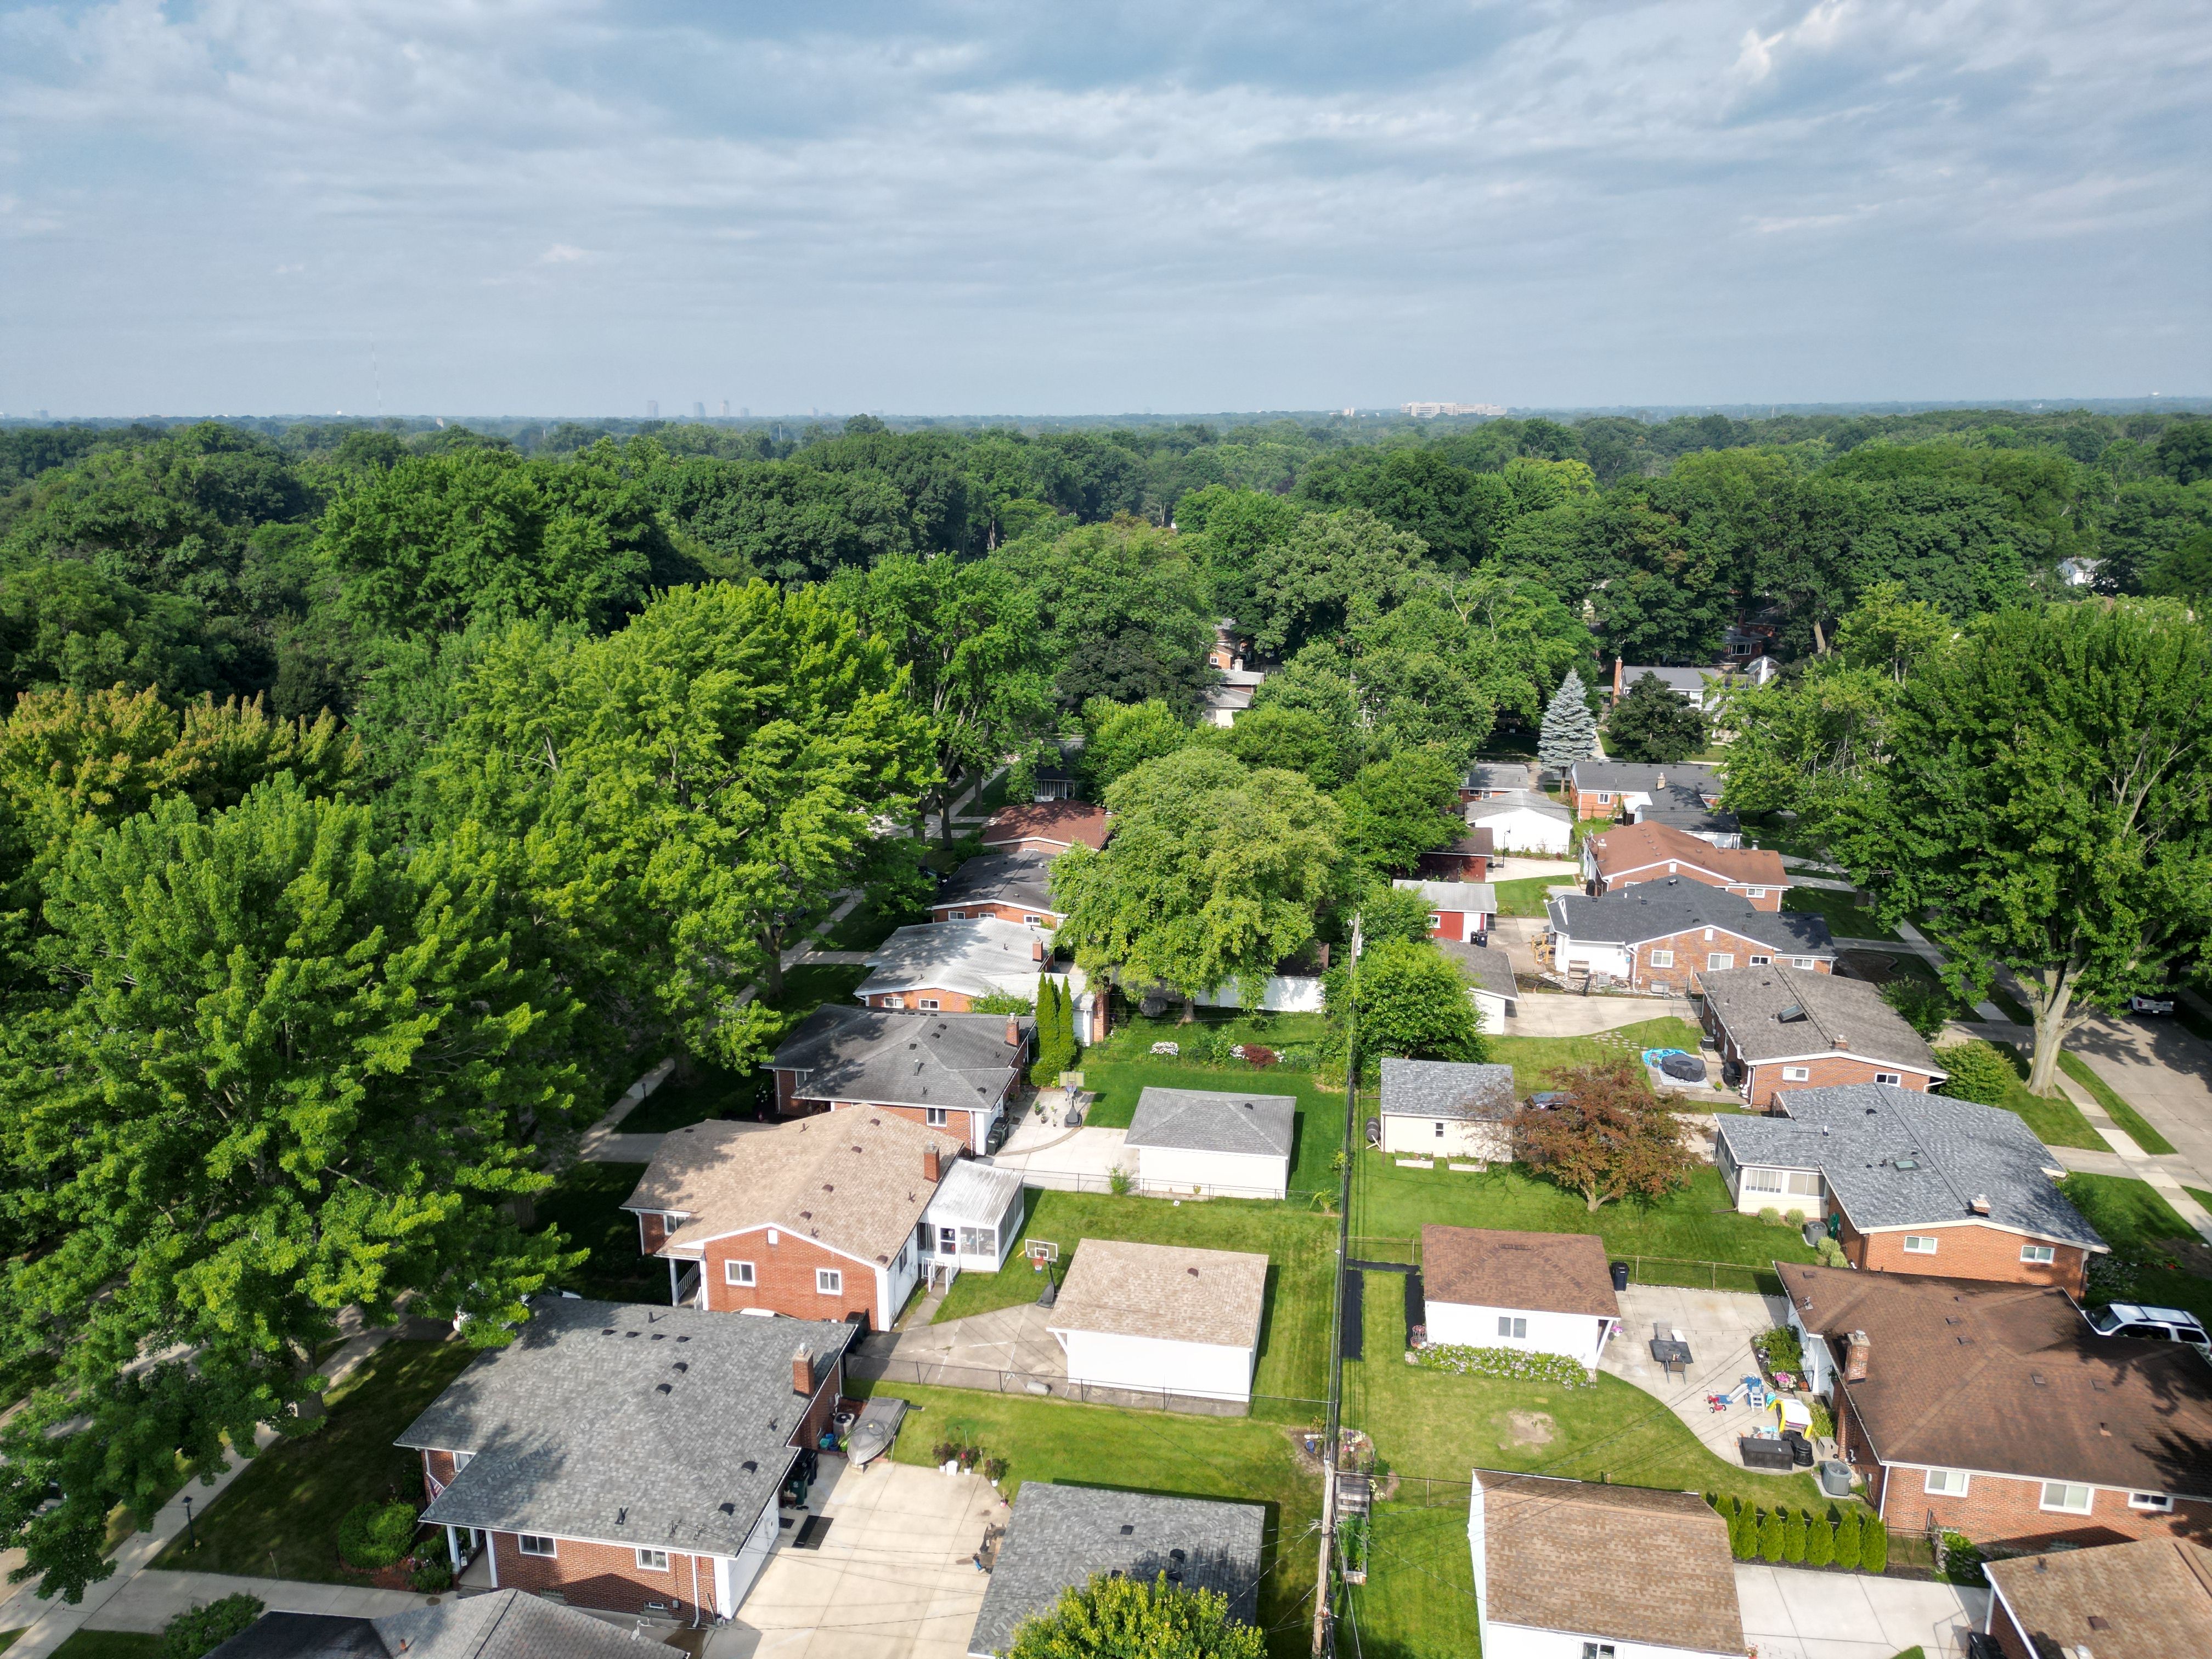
{"x": 1042, "y": 1253}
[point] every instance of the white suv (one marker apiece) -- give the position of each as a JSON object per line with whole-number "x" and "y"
{"x": 2149, "y": 1324}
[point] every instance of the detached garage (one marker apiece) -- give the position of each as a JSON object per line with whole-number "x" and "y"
{"x": 1161, "y": 1319}
{"x": 1539, "y": 1292}
{"x": 1188, "y": 1140}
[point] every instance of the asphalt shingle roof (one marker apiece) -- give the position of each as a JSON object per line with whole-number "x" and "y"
{"x": 889, "y": 1058}
{"x": 504, "y": 1624}
{"x": 976, "y": 957}
{"x": 1778, "y": 1013}
{"x": 1452, "y": 895}
{"x": 1446, "y": 1089}
{"x": 1199, "y": 1121}
{"x": 1643, "y": 777}
{"x": 1495, "y": 1268}
{"x": 1486, "y": 966}
{"x": 1897, "y": 1157}
{"x": 1059, "y": 1537}
{"x": 1497, "y": 774}
{"x": 1522, "y": 800}
{"x": 1022, "y": 878}
{"x": 1167, "y": 1290}
{"x": 1628, "y": 848}
{"x": 1067, "y": 822}
{"x": 667, "y": 1428}
{"x": 2151, "y": 1599}
{"x": 1677, "y": 904}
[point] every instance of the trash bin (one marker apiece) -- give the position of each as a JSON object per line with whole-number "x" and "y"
{"x": 1620, "y": 1276}
{"x": 1801, "y": 1450}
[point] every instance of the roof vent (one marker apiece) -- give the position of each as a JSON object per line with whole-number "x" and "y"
{"x": 1905, "y": 1164}
{"x": 682, "y": 1364}
{"x": 832, "y": 1186}
{"x": 2097, "y": 1621}
{"x": 2038, "y": 1379}
{"x": 622, "y": 1517}
{"x": 1175, "y": 1555}
{"x": 631, "y": 1333}
{"x": 1980, "y": 1204}
{"x": 732, "y": 1509}
{"x": 1127, "y": 1530}
{"x": 1794, "y": 1012}
{"x": 750, "y": 1466}
{"x": 665, "y": 1387}
{"x": 806, "y": 1215}
{"x": 607, "y": 1330}
{"x": 1192, "y": 1271}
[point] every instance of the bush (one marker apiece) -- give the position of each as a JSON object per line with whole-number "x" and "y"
{"x": 944, "y": 1452}
{"x": 1923, "y": 1007}
{"x": 1771, "y": 1216}
{"x": 1819, "y": 1542}
{"x": 1873, "y": 1545}
{"x": 1117, "y": 1178}
{"x": 1515, "y": 1365}
{"x": 1831, "y": 1254}
{"x": 201, "y": 1630}
{"x": 1780, "y": 1349}
{"x": 1982, "y": 1072}
{"x": 1793, "y": 1535}
{"x": 374, "y": 1535}
{"x": 1772, "y": 1540}
{"x": 1743, "y": 1531}
{"x": 431, "y": 1578}
{"x": 1824, "y": 1421}
{"x": 1847, "y": 1539}
{"x": 1958, "y": 1561}
{"x": 994, "y": 1469}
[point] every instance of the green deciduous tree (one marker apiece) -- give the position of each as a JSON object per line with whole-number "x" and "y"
{"x": 1652, "y": 721}
{"x": 1117, "y": 738}
{"x": 1290, "y": 739}
{"x": 1333, "y": 570}
{"x": 1410, "y": 1001}
{"x": 1126, "y": 614}
{"x": 1608, "y": 1140}
{"x": 1112, "y": 1617}
{"x": 1399, "y": 808}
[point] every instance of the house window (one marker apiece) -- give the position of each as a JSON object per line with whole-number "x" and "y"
{"x": 928, "y": 1005}
{"x": 461, "y": 1461}
{"x": 1032, "y": 922}
{"x": 828, "y": 1281}
{"x": 1660, "y": 959}
{"x": 956, "y": 916}
{"x": 1807, "y": 964}
{"x": 1440, "y": 1132}
{"x": 1762, "y": 1180}
{"x": 1717, "y": 961}
{"x": 1761, "y": 961}
{"x": 1605, "y": 798}
{"x": 2156, "y": 1503}
{"x": 1436, "y": 921}
{"x": 933, "y": 1116}
{"x": 1944, "y": 1483}
{"x": 894, "y": 1002}
{"x": 948, "y": 1240}
{"x": 1509, "y": 1325}
{"x": 1804, "y": 1183}
{"x": 2066, "y": 1497}
{"x": 739, "y": 1274}
{"x": 1920, "y": 1243}
{"x": 1893, "y": 1079}
{"x": 1754, "y": 892}
{"x": 531, "y": 1543}
{"x": 1796, "y": 1073}
{"x": 2042, "y": 1253}
{"x": 653, "y": 1560}
{"x": 1597, "y": 1650}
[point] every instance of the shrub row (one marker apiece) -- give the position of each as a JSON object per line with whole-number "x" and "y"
{"x": 1801, "y": 1538}
{"x": 1514, "y": 1364}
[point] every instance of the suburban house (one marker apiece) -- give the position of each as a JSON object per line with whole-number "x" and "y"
{"x": 950, "y": 1071}
{"x": 1686, "y": 797}
{"x": 1230, "y": 696}
{"x": 1236, "y": 1146}
{"x": 1538, "y": 1293}
{"x": 628, "y": 1458}
{"x": 1014, "y": 887}
{"x": 950, "y": 966}
{"x": 1693, "y": 685}
{"x": 1161, "y": 1319}
{"x": 1916, "y": 1183}
{"x": 817, "y": 1219}
{"x": 1457, "y": 909}
{"x": 1493, "y": 781}
{"x": 497, "y": 1624}
{"x": 1053, "y": 777}
{"x": 2148, "y": 1600}
{"x": 1632, "y": 853}
{"x": 971, "y": 1221}
{"x": 1227, "y": 650}
{"x": 1447, "y": 1109}
{"x": 1995, "y": 1411}
{"x": 1058, "y": 1537}
{"x": 1050, "y": 827}
{"x": 1523, "y": 821}
{"x": 1490, "y": 981}
{"x": 1466, "y": 859}
{"x": 1571, "y": 1570}
{"x": 1665, "y": 935}
{"x": 1777, "y": 1030}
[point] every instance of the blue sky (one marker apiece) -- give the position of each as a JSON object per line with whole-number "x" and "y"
{"x": 557, "y": 206}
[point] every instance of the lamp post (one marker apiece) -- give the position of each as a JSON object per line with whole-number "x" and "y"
{"x": 191, "y": 1538}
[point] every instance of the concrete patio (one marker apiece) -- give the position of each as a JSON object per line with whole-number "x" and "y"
{"x": 1790, "y": 1612}
{"x": 1004, "y": 1339}
{"x": 1718, "y": 1325}
{"x": 1048, "y": 1154}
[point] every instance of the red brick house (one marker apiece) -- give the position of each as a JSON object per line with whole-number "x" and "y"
{"x": 1620, "y": 789}
{"x": 1050, "y": 827}
{"x": 953, "y": 1073}
{"x": 1777, "y": 1030}
{"x": 1458, "y": 910}
{"x": 1014, "y": 887}
{"x": 1663, "y": 935}
{"x": 628, "y": 1458}
{"x": 1632, "y": 853}
{"x": 816, "y": 1219}
{"x": 1912, "y": 1182}
{"x": 1995, "y": 1411}
{"x": 2144, "y": 1599}
{"x": 948, "y": 967}
{"x": 1493, "y": 781}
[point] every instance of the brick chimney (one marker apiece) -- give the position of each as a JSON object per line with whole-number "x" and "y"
{"x": 1856, "y": 1358}
{"x": 1037, "y": 950}
{"x": 1842, "y": 1041}
{"x": 930, "y": 1163}
{"x": 802, "y": 1371}
{"x": 1013, "y": 1032}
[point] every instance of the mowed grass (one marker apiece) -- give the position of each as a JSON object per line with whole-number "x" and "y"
{"x": 698, "y": 1090}
{"x": 1537, "y": 1061}
{"x": 2136, "y": 1220}
{"x": 1299, "y": 1245}
{"x": 2054, "y": 1120}
{"x": 1419, "y": 1599}
{"x": 280, "y": 1517}
{"x": 1840, "y": 911}
{"x": 1694, "y": 1223}
{"x": 1319, "y": 1127}
{"x": 1526, "y": 897}
{"x": 583, "y": 1204}
{"x": 106, "y": 1644}
{"x": 2138, "y": 1126}
{"x": 1240, "y": 1459}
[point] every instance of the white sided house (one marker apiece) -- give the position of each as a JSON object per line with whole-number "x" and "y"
{"x": 1447, "y": 1109}
{"x": 1161, "y": 1319}
{"x": 1231, "y": 1145}
{"x": 1522, "y": 821}
{"x": 1538, "y": 1293}
{"x": 1568, "y": 1569}
{"x": 971, "y": 1221}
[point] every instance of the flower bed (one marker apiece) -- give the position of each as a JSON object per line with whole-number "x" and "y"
{"x": 1513, "y": 1365}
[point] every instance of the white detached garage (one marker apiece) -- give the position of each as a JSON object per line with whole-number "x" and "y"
{"x": 1538, "y": 1293}
{"x": 1189, "y": 1140}
{"x": 1161, "y": 1319}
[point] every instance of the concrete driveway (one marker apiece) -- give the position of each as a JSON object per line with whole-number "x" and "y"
{"x": 895, "y": 1577}
{"x": 1791, "y": 1612}
{"x": 1718, "y": 1325}
{"x": 2162, "y": 1071}
{"x": 1547, "y": 1013}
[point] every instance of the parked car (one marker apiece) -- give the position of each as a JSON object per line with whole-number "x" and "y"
{"x": 2150, "y": 1006}
{"x": 1546, "y": 1100}
{"x": 2149, "y": 1324}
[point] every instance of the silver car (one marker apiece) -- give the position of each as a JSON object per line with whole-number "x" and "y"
{"x": 2149, "y": 1324}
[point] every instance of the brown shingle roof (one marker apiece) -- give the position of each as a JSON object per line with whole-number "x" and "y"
{"x": 1629, "y": 848}
{"x": 1624, "y": 1562}
{"x": 2151, "y": 1599}
{"x": 1064, "y": 821}
{"x": 1787, "y": 1013}
{"x": 2009, "y": 1379}
{"x": 852, "y": 1180}
{"x": 1544, "y": 1272}
{"x": 1163, "y": 1290}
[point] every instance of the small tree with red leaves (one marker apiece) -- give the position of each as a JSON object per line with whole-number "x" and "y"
{"x": 1608, "y": 1139}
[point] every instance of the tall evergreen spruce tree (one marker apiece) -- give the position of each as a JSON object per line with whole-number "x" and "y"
{"x": 1569, "y": 732}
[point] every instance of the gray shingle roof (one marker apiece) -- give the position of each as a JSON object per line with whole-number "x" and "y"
{"x": 981, "y": 958}
{"x": 1675, "y": 904}
{"x": 1524, "y": 801}
{"x": 1197, "y": 1121}
{"x": 1488, "y": 968}
{"x": 1778, "y": 1013}
{"x": 1497, "y": 774}
{"x": 1446, "y": 1089}
{"x": 304, "y": 1636}
{"x": 889, "y": 1058}
{"x": 1642, "y": 777}
{"x": 1059, "y": 1537}
{"x": 1480, "y": 895}
{"x": 1022, "y": 878}
{"x": 571, "y": 1435}
{"x": 1953, "y": 1152}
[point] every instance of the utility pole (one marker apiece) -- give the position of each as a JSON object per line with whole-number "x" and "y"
{"x": 1323, "y": 1635}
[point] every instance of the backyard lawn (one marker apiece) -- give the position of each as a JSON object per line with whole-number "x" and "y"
{"x": 583, "y": 1203}
{"x": 280, "y": 1517}
{"x": 1300, "y": 1245}
{"x": 1526, "y": 898}
{"x": 1418, "y": 1599}
{"x": 2125, "y": 1116}
{"x": 1535, "y": 1060}
{"x": 2134, "y": 1220}
{"x": 1844, "y": 918}
{"x": 1240, "y": 1459}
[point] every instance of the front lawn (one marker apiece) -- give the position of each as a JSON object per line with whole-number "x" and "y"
{"x": 810, "y": 984}
{"x": 2126, "y": 1116}
{"x": 2134, "y": 1220}
{"x": 1320, "y": 1125}
{"x": 1526, "y": 897}
{"x": 1696, "y": 1224}
{"x": 109, "y": 1644}
{"x": 698, "y": 1090}
{"x": 1241, "y": 1460}
{"x": 2054, "y": 1120}
{"x": 1536, "y": 1061}
{"x": 1300, "y": 1245}
{"x": 280, "y": 1517}
{"x": 584, "y": 1203}
{"x": 1840, "y": 911}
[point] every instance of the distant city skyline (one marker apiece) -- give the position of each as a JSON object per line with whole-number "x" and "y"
{"x": 555, "y": 205}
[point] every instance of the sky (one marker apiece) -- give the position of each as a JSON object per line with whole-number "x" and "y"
{"x": 545, "y": 207}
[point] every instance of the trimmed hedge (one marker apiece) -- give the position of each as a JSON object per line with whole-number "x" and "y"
{"x": 201, "y": 1630}
{"x": 373, "y": 1535}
